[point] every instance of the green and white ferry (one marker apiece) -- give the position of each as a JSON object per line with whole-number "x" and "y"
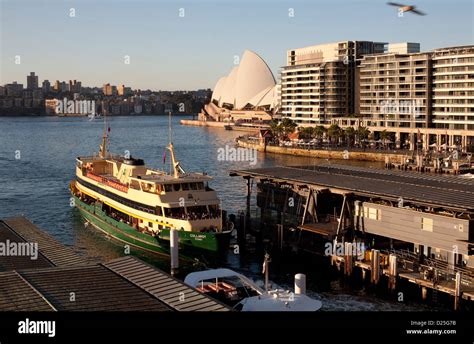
{"x": 139, "y": 206}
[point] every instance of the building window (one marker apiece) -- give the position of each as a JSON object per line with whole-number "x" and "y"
{"x": 374, "y": 214}
{"x": 426, "y": 224}
{"x": 370, "y": 213}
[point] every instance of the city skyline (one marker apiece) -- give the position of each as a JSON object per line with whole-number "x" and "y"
{"x": 172, "y": 52}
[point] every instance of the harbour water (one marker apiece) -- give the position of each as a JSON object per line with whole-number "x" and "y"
{"x": 37, "y": 159}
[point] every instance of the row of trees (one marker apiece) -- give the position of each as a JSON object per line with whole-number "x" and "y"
{"x": 335, "y": 134}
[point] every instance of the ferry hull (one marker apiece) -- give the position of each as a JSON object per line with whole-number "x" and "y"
{"x": 191, "y": 244}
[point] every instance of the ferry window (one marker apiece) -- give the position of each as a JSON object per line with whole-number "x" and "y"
{"x": 193, "y": 186}
{"x": 167, "y": 187}
{"x": 158, "y": 211}
{"x": 175, "y": 213}
{"x": 185, "y": 186}
{"x": 134, "y": 184}
{"x": 176, "y": 187}
{"x": 200, "y": 185}
{"x": 426, "y": 224}
{"x": 150, "y": 224}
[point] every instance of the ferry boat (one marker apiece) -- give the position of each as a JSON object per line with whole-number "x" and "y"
{"x": 139, "y": 206}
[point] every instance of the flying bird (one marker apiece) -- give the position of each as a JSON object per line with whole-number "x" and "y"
{"x": 406, "y": 8}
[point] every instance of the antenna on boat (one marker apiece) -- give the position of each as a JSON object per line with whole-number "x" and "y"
{"x": 103, "y": 146}
{"x": 175, "y": 166}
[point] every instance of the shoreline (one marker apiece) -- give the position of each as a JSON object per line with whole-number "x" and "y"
{"x": 222, "y": 125}
{"x": 343, "y": 154}
{"x": 85, "y": 116}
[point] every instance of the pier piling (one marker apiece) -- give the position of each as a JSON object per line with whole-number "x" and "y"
{"x": 424, "y": 293}
{"x": 375, "y": 266}
{"x": 457, "y": 292}
{"x": 393, "y": 272}
{"x": 348, "y": 259}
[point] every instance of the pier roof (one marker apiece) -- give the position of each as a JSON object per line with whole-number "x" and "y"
{"x": 123, "y": 284}
{"x": 50, "y": 251}
{"x": 448, "y": 192}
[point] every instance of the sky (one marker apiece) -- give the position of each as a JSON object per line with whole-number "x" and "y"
{"x": 188, "y": 45}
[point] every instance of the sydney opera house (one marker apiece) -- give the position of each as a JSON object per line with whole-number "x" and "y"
{"x": 248, "y": 93}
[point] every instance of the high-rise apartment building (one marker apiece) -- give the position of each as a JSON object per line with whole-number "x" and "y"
{"x": 32, "y": 81}
{"x": 395, "y": 89}
{"x": 124, "y": 91}
{"x": 46, "y": 86}
{"x": 453, "y": 88}
{"x": 107, "y": 89}
{"x": 318, "y": 82}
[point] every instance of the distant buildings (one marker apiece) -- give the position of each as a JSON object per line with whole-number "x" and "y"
{"x": 32, "y": 81}
{"x": 107, "y": 90}
{"x": 124, "y": 91}
{"x": 74, "y": 86}
{"x": 14, "y": 89}
{"x": 46, "y": 87}
{"x": 51, "y": 106}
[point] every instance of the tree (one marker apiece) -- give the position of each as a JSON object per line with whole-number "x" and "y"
{"x": 334, "y": 133}
{"x": 385, "y": 136}
{"x": 288, "y": 126}
{"x": 349, "y": 133}
{"x": 319, "y": 132}
{"x": 276, "y": 128}
{"x": 362, "y": 133}
{"x": 306, "y": 132}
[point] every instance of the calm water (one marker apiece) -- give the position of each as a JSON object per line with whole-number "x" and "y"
{"x": 37, "y": 159}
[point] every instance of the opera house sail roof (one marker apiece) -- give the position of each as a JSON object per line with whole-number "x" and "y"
{"x": 251, "y": 83}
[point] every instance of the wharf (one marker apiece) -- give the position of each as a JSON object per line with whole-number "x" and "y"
{"x": 61, "y": 280}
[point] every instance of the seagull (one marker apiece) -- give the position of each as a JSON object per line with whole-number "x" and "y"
{"x": 406, "y": 8}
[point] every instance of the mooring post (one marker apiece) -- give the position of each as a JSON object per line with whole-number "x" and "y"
{"x": 174, "y": 248}
{"x": 457, "y": 292}
{"x": 300, "y": 284}
{"x": 375, "y": 266}
{"x": 266, "y": 264}
{"x": 242, "y": 232}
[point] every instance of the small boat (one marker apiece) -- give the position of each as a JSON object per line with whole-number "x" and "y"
{"x": 240, "y": 293}
{"x": 227, "y": 127}
{"x": 94, "y": 116}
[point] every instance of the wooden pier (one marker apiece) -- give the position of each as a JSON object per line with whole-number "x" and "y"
{"x": 414, "y": 227}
